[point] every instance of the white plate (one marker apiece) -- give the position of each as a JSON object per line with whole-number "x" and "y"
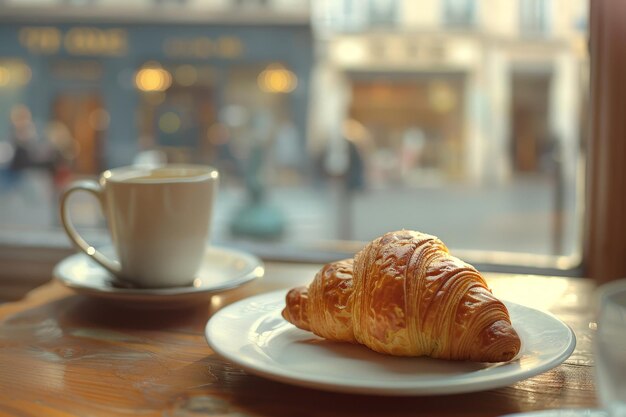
{"x": 252, "y": 334}
{"x": 221, "y": 269}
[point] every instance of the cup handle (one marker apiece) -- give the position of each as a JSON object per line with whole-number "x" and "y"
{"x": 96, "y": 190}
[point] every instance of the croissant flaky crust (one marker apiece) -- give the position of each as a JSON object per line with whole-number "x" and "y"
{"x": 404, "y": 294}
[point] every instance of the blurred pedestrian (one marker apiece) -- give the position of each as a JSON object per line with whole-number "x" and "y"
{"x": 23, "y": 139}
{"x": 59, "y": 154}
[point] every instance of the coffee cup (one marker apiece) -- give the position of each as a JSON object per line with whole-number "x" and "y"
{"x": 158, "y": 217}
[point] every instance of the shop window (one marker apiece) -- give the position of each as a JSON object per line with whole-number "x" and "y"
{"x": 533, "y": 17}
{"x": 382, "y": 12}
{"x": 459, "y": 13}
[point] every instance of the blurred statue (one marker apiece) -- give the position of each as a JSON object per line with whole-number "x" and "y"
{"x": 257, "y": 218}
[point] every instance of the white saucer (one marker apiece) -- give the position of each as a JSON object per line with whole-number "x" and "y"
{"x": 221, "y": 269}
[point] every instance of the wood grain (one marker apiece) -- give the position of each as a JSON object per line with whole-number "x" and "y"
{"x": 65, "y": 355}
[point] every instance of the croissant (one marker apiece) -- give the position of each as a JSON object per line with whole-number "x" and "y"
{"x": 404, "y": 294}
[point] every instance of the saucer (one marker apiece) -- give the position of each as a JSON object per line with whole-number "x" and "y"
{"x": 221, "y": 269}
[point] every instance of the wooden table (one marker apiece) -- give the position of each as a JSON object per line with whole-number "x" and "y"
{"x": 65, "y": 355}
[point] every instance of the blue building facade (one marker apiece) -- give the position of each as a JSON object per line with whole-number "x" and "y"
{"x": 57, "y": 64}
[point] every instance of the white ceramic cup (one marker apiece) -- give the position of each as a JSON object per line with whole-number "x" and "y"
{"x": 610, "y": 347}
{"x": 159, "y": 221}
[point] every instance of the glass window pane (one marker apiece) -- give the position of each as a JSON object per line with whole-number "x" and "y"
{"x": 326, "y": 127}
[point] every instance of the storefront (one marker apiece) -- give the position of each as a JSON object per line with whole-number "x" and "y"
{"x": 447, "y": 107}
{"x": 413, "y": 100}
{"x": 415, "y": 124}
{"x": 186, "y": 90}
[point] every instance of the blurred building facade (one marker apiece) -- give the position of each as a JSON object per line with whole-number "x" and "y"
{"x": 348, "y": 105}
{"x": 472, "y": 90}
{"x": 195, "y": 81}
{"x": 440, "y": 90}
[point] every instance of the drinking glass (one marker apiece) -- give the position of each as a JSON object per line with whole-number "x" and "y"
{"x": 610, "y": 348}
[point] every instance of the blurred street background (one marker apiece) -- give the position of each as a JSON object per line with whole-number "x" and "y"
{"x": 330, "y": 120}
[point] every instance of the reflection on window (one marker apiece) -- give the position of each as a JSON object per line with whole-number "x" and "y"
{"x": 324, "y": 131}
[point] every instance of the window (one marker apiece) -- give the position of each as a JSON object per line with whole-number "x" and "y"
{"x": 533, "y": 17}
{"x": 459, "y": 13}
{"x": 382, "y": 13}
{"x": 339, "y": 136}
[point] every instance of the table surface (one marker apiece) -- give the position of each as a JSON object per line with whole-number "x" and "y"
{"x": 63, "y": 354}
